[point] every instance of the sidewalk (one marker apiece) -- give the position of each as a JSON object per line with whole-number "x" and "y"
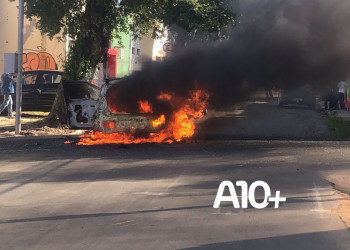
{"x": 28, "y": 119}
{"x": 340, "y": 179}
{"x": 7, "y": 126}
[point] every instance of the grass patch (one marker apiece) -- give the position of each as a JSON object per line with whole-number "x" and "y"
{"x": 340, "y": 128}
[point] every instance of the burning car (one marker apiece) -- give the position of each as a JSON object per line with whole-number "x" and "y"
{"x": 81, "y": 98}
{"x": 107, "y": 119}
{"x": 115, "y": 122}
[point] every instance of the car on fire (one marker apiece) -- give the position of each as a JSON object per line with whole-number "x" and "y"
{"x": 107, "y": 120}
{"x": 81, "y": 98}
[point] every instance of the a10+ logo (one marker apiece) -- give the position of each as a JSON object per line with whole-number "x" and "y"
{"x": 248, "y": 194}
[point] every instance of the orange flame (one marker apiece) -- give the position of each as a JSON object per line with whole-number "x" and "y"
{"x": 157, "y": 122}
{"x": 145, "y": 107}
{"x": 164, "y": 97}
{"x": 179, "y": 125}
{"x": 115, "y": 110}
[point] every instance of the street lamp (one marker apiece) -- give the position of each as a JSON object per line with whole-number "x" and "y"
{"x": 19, "y": 69}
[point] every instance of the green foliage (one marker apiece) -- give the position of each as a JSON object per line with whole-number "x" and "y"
{"x": 340, "y": 128}
{"x": 93, "y": 23}
{"x": 193, "y": 16}
{"x": 76, "y": 65}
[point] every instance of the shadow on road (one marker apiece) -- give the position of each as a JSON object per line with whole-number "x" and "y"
{"x": 226, "y": 205}
{"x": 315, "y": 240}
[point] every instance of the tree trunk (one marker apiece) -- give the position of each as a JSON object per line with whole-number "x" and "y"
{"x": 58, "y": 116}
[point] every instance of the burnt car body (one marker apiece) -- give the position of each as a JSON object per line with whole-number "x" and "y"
{"x": 81, "y": 99}
{"x": 106, "y": 121}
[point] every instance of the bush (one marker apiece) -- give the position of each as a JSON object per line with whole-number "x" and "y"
{"x": 340, "y": 128}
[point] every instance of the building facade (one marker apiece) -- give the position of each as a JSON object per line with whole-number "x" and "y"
{"x": 123, "y": 54}
{"x": 39, "y": 52}
{"x": 132, "y": 54}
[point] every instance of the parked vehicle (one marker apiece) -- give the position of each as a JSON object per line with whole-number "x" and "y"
{"x": 39, "y": 89}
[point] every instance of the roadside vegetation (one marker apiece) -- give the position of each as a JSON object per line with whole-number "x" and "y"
{"x": 340, "y": 128}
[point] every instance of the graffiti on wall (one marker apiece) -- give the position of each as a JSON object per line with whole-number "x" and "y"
{"x": 41, "y": 60}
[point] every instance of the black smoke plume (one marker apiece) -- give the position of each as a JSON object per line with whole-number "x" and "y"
{"x": 277, "y": 43}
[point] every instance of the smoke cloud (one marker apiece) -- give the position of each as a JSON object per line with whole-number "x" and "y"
{"x": 277, "y": 43}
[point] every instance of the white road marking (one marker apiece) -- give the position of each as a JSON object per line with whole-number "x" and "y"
{"x": 319, "y": 207}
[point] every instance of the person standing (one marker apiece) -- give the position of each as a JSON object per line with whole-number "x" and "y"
{"x": 341, "y": 94}
{"x": 7, "y": 89}
{"x": 347, "y": 95}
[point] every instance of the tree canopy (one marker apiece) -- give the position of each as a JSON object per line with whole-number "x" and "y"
{"x": 93, "y": 23}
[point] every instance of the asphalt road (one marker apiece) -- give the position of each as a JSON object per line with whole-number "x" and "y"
{"x": 263, "y": 119}
{"x": 58, "y": 196}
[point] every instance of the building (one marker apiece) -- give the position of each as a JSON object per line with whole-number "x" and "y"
{"x": 132, "y": 54}
{"x": 123, "y": 54}
{"x": 39, "y": 52}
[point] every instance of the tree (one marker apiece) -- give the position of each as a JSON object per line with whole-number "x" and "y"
{"x": 93, "y": 23}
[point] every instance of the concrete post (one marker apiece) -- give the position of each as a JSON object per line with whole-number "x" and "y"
{"x": 19, "y": 71}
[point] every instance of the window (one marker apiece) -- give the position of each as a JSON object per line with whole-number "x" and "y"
{"x": 52, "y": 78}
{"x": 41, "y": 78}
{"x": 29, "y": 79}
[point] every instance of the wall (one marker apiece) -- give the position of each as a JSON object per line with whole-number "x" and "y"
{"x": 147, "y": 48}
{"x": 141, "y": 52}
{"x": 8, "y": 36}
{"x": 39, "y": 52}
{"x": 123, "y": 60}
{"x": 135, "y": 53}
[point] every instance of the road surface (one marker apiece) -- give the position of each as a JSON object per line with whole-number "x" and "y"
{"x": 263, "y": 119}
{"x": 58, "y": 196}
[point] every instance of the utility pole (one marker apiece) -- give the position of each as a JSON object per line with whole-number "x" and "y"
{"x": 19, "y": 69}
